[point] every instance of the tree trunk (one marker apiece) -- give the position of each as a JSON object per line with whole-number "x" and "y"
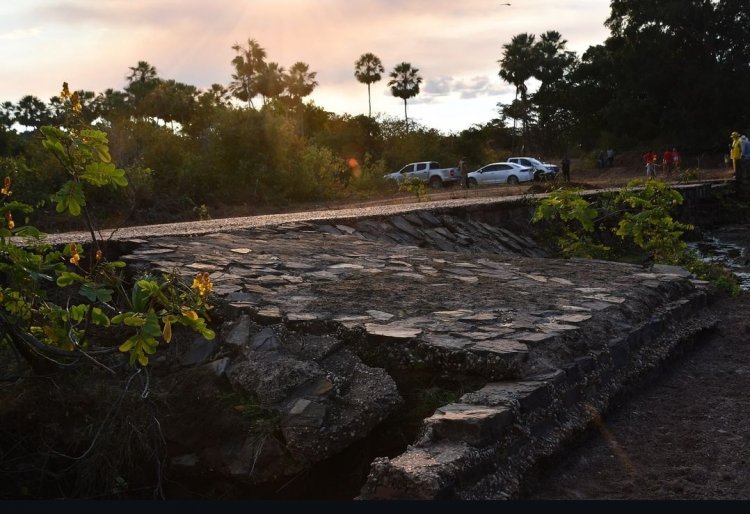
{"x": 369, "y": 100}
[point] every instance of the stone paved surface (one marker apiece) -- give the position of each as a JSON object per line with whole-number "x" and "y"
{"x": 454, "y": 296}
{"x": 454, "y": 299}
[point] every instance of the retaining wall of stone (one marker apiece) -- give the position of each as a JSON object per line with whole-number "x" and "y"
{"x": 492, "y": 440}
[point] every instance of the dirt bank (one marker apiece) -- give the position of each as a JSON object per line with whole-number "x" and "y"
{"x": 685, "y": 436}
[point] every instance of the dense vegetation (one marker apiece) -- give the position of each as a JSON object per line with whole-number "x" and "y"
{"x": 671, "y": 73}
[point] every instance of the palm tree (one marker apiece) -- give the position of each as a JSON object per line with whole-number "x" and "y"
{"x": 300, "y": 82}
{"x": 248, "y": 63}
{"x": 143, "y": 72}
{"x": 142, "y": 81}
{"x": 553, "y": 59}
{"x": 518, "y": 64}
{"x": 271, "y": 81}
{"x": 404, "y": 84}
{"x": 367, "y": 69}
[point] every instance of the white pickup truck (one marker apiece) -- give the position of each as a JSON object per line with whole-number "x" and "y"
{"x": 428, "y": 172}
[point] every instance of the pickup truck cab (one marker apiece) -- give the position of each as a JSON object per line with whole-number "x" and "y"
{"x": 428, "y": 172}
{"x": 542, "y": 171}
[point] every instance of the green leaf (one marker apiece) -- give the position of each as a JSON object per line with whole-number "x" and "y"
{"x": 129, "y": 344}
{"x": 70, "y": 198}
{"x": 55, "y": 147}
{"x": 96, "y": 292}
{"x": 151, "y": 327}
{"x": 104, "y": 173}
{"x": 134, "y": 320}
{"x": 141, "y": 293}
{"x": 68, "y": 278}
{"x": 99, "y": 318}
{"x": 149, "y": 345}
{"x": 78, "y": 312}
{"x": 29, "y": 231}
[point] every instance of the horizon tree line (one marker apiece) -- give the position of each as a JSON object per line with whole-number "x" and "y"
{"x": 671, "y": 73}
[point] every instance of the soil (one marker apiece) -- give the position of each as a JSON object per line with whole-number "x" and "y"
{"x": 684, "y": 436}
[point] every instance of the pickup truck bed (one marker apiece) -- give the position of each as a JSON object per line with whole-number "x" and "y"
{"x": 428, "y": 172}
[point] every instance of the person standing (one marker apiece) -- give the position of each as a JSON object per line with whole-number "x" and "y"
{"x": 650, "y": 159}
{"x": 676, "y": 160}
{"x": 610, "y": 157}
{"x": 735, "y": 154}
{"x": 463, "y": 169}
{"x": 565, "y": 165}
{"x": 667, "y": 162}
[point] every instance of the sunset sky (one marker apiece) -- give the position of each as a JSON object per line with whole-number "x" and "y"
{"x": 455, "y": 44}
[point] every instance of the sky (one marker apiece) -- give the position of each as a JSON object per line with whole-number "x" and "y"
{"x": 455, "y": 45}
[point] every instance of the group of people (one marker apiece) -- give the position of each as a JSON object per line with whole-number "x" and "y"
{"x": 670, "y": 162}
{"x": 740, "y": 155}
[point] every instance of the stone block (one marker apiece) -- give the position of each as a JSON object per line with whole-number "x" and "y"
{"x": 528, "y": 395}
{"x": 476, "y": 425}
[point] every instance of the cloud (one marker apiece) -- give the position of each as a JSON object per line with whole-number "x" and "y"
{"x": 20, "y": 34}
{"x": 455, "y": 45}
{"x": 441, "y": 86}
{"x": 465, "y": 88}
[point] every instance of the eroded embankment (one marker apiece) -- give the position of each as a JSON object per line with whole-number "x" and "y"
{"x": 328, "y": 328}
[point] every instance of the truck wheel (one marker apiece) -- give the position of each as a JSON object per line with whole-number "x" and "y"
{"x": 473, "y": 183}
{"x": 513, "y": 180}
{"x": 436, "y": 183}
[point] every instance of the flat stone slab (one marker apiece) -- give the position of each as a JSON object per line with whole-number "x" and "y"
{"x": 389, "y": 332}
{"x": 473, "y": 424}
{"x": 476, "y": 312}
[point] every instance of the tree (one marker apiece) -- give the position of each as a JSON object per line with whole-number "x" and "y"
{"x": 367, "y": 69}
{"x": 552, "y": 99}
{"x": 660, "y": 78}
{"x": 215, "y": 96}
{"x": 6, "y": 115}
{"x": 518, "y": 64}
{"x": 94, "y": 297}
{"x": 114, "y": 105}
{"x": 271, "y": 81}
{"x": 173, "y": 101}
{"x": 248, "y": 64}
{"x": 142, "y": 81}
{"x": 404, "y": 84}
{"x": 30, "y": 111}
{"x": 300, "y": 81}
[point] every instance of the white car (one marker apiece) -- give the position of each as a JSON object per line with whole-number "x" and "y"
{"x": 501, "y": 173}
{"x": 542, "y": 170}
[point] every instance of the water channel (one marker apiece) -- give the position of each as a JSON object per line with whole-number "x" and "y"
{"x": 729, "y": 246}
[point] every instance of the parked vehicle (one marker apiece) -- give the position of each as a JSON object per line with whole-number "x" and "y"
{"x": 501, "y": 173}
{"x": 542, "y": 171}
{"x": 428, "y": 172}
